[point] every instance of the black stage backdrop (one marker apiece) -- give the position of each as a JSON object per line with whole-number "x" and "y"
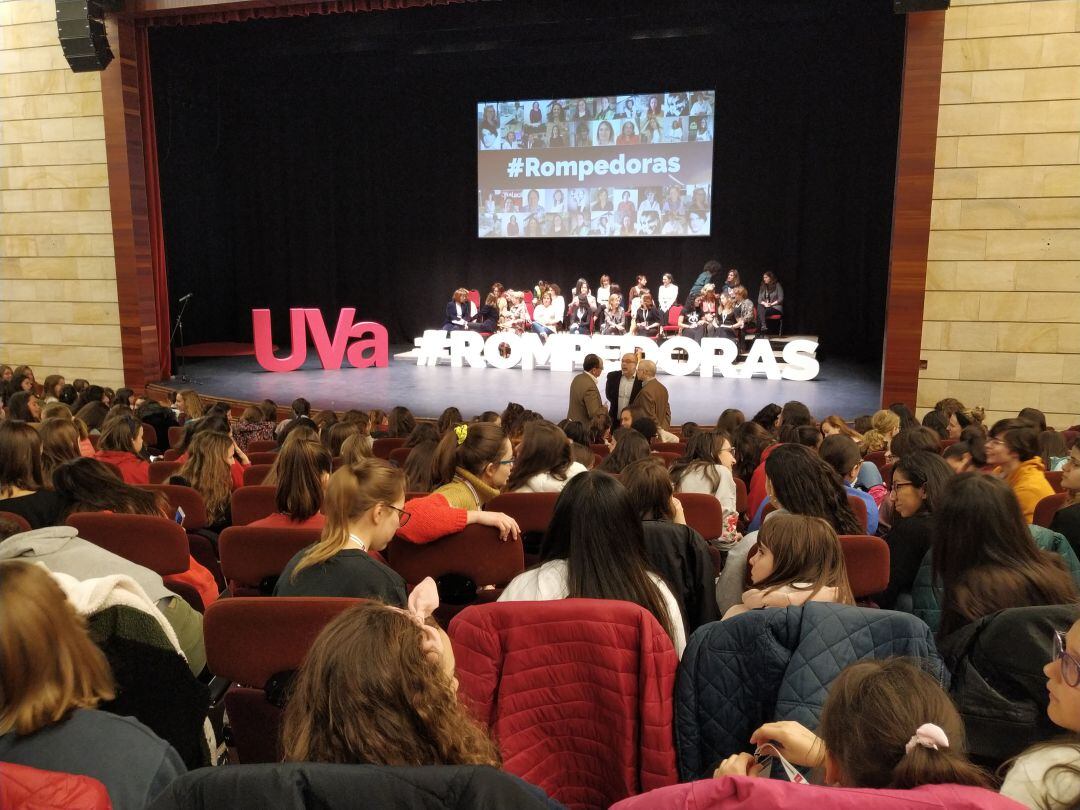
{"x": 331, "y": 161}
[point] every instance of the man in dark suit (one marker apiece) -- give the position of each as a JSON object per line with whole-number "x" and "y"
{"x": 653, "y": 399}
{"x": 622, "y": 386}
{"x": 585, "y": 400}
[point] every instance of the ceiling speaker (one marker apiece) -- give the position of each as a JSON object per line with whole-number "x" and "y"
{"x": 81, "y": 26}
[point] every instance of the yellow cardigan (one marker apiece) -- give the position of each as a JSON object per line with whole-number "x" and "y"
{"x": 459, "y": 495}
{"x": 1030, "y": 486}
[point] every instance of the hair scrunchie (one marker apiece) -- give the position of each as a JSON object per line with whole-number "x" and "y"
{"x": 462, "y": 433}
{"x": 928, "y": 736}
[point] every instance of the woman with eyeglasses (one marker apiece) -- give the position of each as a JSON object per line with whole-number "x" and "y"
{"x": 1013, "y": 448}
{"x": 364, "y": 508}
{"x": 705, "y": 467}
{"x": 1048, "y": 774}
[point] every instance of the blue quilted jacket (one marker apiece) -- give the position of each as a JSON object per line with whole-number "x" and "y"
{"x": 777, "y": 664}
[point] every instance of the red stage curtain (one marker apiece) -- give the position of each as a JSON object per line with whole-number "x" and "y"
{"x": 298, "y": 10}
{"x": 153, "y": 203}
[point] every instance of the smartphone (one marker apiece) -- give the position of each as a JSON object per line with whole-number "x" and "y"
{"x": 180, "y": 515}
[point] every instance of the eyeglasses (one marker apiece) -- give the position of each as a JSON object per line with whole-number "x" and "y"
{"x": 898, "y": 485}
{"x": 403, "y": 516}
{"x": 508, "y": 461}
{"x": 994, "y": 442}
{"x": 1070, "y": 667}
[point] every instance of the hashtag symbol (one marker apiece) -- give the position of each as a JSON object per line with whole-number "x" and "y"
{"x": 514, "y": 167}
{"x": 432, "y": 346}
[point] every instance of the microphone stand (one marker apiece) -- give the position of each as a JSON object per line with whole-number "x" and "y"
{"x": 179, "y": 328}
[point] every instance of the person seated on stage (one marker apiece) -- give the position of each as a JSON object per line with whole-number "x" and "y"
{"x": 668, "y": 294}
{"x": 770, "y": 299}
{"x": 470, "y": 467}
{"x": 88, "y": 485}
{"x": 580, "y": 317}
{"x": 22, "y": 488}
{"x": 52, "y": 679}
{"x": 603, "y": 290}
{"x": 647, "y": 320}
{"x": 515, "y": 318}
{"x": 613, "y": 318}
{"x": 487, "y": 318}
{"x": 745, "y": 312}
{"x": 543, "y": 462}
{"x": 727, "y": 318}
{"x": 363, "y": 508}
{"x": 303, "y": 471}
{"x": 630, "y": 446}
{"x": 378, "y": 688}
{"x": 730, "y": 283}
{"x": 594, "y": 548}
{"x": 121, "y": 446}
{"x": 581, "y": 287}
{"x": 640, "y": 288}
{"x": 459, "y": 311}
{"x": 546, "y": 319}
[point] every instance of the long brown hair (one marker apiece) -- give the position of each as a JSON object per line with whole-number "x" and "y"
{"x": 207, "y": 470}
{"x": 872, "y": 712}
{"x": 841, "y": 426}
{"x": 94, "y": 486}
{"x": 353, "y": 490}
{"x": 650, "y": 488}
{"x": 119, "y": 433}
{"x": 806, "y": 550}
{"x": 701, "y": 456}
{"x": 544, "y": 448}
{"x": 192, "y": 404}
{"x": 369, "y": 693}
{"x": 482, "y": 445}
{"x": 59, "y": 443}
{"x": 50, "y": 665}
{"x": 300, "y": 468}
{"x": 20, "y": 457}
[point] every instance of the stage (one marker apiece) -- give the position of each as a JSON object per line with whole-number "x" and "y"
{"x": 842, "y": 387}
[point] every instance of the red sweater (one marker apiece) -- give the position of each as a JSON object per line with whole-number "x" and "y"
{"x": 432, "y": 517}
{"x": 26, "y": 788}
{"x": 757, "y": 491}
{"x": 279, "y": 520}
{"x": 131, "y": 468}
{"x": 236, "y": 470}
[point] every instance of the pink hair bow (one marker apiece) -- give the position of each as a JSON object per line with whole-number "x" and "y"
{"x": 423, "y": 601}
{"x": 928, "y": 736}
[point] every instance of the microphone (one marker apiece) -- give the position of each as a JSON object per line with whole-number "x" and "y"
{"x": 185, "y": 298}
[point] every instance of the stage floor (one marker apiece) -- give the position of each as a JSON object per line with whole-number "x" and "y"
{"x": 842, "y": 387}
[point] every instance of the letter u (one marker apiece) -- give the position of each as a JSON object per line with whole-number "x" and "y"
{"x": 264, "y": 340}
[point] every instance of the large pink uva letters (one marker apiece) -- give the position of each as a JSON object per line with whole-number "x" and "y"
{"x": 331, "y": 352}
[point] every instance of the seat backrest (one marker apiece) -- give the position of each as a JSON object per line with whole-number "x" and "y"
{"x": 741, "y": 496}
{"x": 248, "y": 641}
{"x": 176, "y": 435}
{"x": 262, "y": 446}
{"x": 149, "y": 434}
{"x": 94, "y": 440}
{"x": 251, "y": 554}
{"x": 161, "y": 470}
{"x": 858, "y": 506}
{"x": 18, "y": 520}
{"x": 601, "y": 450}
{"x": 667, "y": 458}
{"x": 669, "y": 447}
{"x": 153, "y": 542}
{"x": 476, "y": 552}
{"x": 264, "y": 457}
{"x": 185, "y": 498}
{"x": 703, "y": 513}
{"x": 673, "y": 315}
{"x": 531, "y": 510}
{"x": 251, "y": 503}
{"x": 1054, "y": 479}
{"x": 474, "y": 298}
{"x": 255, "y": 473}
{"x": 380, "y": 448}
{"x": 399, "y": 454}
{"x": 877, "y": 458}
{"x": 1048, "y": 507}
{"x": 867, "y": 562}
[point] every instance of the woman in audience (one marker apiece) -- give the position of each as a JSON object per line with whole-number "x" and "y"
{"x": 797, "y": 560}
{"x": 121, "y": 446}
{"x": 400, "y": 422}
{"x": 1013, "y": 448}
{"x": 447, "y": 419}
{"x": 22, "y": 489}
{"x": 379, "y": 423}
{"x": 24, "y": 406}
{"x": 907, "y": 418}
{"x": 801, "y": 482}
{"x": 1033, "y": 416}
{"x": 751, "y": 441}
{"x": 1067, "y": 519}
{"x": 51, "y": 389}
{"x": 52, "y": 678}
{"x": 207, "y": 470}
{"x": 253, "y": 426}
{"x": 834, "y": 424}
{"x": 364, "y": 508}
{"x": 673, "y": 550}
{"x": 985, "y": 557}
{"x": 913, "y": 440}
{"x": 378, "y": 688}
{"x": 190, "y": 405}
{"x": 578, "y": 434}
{"x": 630, "y": 446}
{"x": 886, "y": 724}
{"x": 594, "y": 548}
{"x": 93, "y": 414}
{"x": 427, "y": 432}
{"x": 301, "y": 417}
{"x": 356, "y": 448}
{"x": 59, "y": 443}
{"x": 705, "y": 467}
{"x": 335, "y": 436}
{"x": 959, "y": 457}
{"x": 937, "y": 422}
{"x": 1048, "y": 775}
{"x": 885, "y": 425}
{"x": 418, "y": 465}
{"x": 303, "y": 470}
{"x": 543, "y": 462}
{"x": 324, "y": 421}
{"x": 730, "y": 419}
{"x": 470, "y": 466}
{"x": 841, "y": 453}
{"x": 1053, "y": 450}
{"x": 58, "y": 410}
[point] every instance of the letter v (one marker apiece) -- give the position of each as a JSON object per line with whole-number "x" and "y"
{"x": 330, "y": 354}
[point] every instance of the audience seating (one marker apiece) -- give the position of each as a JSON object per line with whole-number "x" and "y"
{"x": 742, "y": 497}
{"x": 252, "y": 558}
{"x": 601, "y": 450}
{"x": 176, "y": 435}
{"x": 254, "y": 474}
{"x": 160, "y": 471}
{"x": 667, "y": 458}
{"x": 251, "y": 503}
{"x": 170, "y": 455}
{"x": 399, "y": 454}
{"x": 262, "y": 458}
{"x": 886, "y": 474}
{"x": 149, "y": 434}
{"x": 669, "y": 447}
{"x": 94, "y": 439}
{"x": 1054, "y": 479}
{"x": 262, "y": 446}
{"x": 1048, "y": 507}
{"x": 248, "y": 642}
{"x": 201, "y": 548}
{"x": 18, "y": 520}
{"x": 532, "y": 511}
{"x": 854, "y": 501}
{"x": 380, "y": 448}
{"x": 867, "y": 561}
{"x": 877, "y": 457}
{"x": 154, "y": 542}
{"x": 705, "y": 515}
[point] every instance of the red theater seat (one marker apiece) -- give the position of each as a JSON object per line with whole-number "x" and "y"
{"x": 262, "y": 446}
{"x": 601, "y": 450}
{"x": 248, "y": 642}
{"x": 156, "y": 543}
{"x": 877, "y": 458}
{"x": 149, "y": 434}
{"x": 678, "y": 448}
{"x": 252, "y": 556}
{"x": 399, "y": 454}
{"x": 531, "y": 510}
{"x": 1054, "y": 479}
{"x": 741, "y": 496}
{"x": 160, "y": 471}
{"x": 705, "y": 515}
{"x": 1048, "y": 507}
{"x": 254, "y": 475}
{"x": 194, "y": 508}
{"x": 667, "y": 458}
{"x": 176, "y": 435}
{"x": 672, "y": 325}
{"x": 18, "y": 520}
{"x": 380, "y": 448}
{"x": 251, "y": 503}
{"x": 867, "y": 562}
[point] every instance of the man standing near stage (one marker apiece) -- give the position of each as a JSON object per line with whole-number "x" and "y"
{"x": 585, "y": 400}
{"x": 653, "y": 399}
{"x": 622, "y": 386}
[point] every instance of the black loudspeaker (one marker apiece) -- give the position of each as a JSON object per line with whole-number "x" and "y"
{"x": 81, "y": 26}
{"x": 908, "y": 6}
